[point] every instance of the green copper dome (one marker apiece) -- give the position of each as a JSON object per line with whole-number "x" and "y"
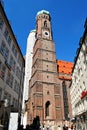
{"x": 43, "y": 12}
{"x": 33, "y": 30}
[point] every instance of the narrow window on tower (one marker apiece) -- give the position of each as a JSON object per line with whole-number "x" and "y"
{"x": 47, "y": 76}
{"x": 47, "y": 92}
{"x": 45, "y": 23}
{"x": 47, "y": 108}
{"x": 46, "y": 17}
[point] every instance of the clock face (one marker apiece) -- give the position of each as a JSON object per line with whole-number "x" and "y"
{"x": 46, "y": 33}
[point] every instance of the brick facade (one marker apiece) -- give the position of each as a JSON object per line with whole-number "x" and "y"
{"x": 45, "y": 98}
{"x": 50, "y": 79}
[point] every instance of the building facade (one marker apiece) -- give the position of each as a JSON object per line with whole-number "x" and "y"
{"x": 11, "y": 66}
{"x": 78, "y": 88}
{"x": 28, "y": 70}
{"x": 44, "y": 100}
{"x": 64, "y": 75}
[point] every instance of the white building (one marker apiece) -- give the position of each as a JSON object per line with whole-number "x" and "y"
{"x": 11, "y": 67}
{"x": 78, "y": 88}
{"x": 28, "y": 68}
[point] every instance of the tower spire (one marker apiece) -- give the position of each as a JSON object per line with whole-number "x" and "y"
{"x": 43, "y": 25}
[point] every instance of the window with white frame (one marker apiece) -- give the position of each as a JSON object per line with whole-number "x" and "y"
{"x": 4, "y": 50}
{"x": 11, "y": 81}
{"x": 2, "y": 73}
{"x": 86, "y": 59}
{"x": 18, "y": 72}
{"x": 0, "y": 93}
{"x": 19, "y": 60}
{"x": 6, "y": 34}
{"x": 0, "y": 65}
{"x": 9, "y": 40}
{"x": 1, "y": 22}
{"x": 8, "y": 77}
{"x": 14, "y": 50}
{"x": 9, "y": 99}
{"x": 15, "y": 53}
{"x": 6, "y": 54}
{"x": 16, "y": 103}
{"x": 5, "y": 95}
{"x": 13, "y": 102}
{"x": 84, "y": 65}
{"x": 18, "y": 88}
{"x": 15, "y": 86}
{"x": 12, "y": 63}
{"x": 84, "y": 85}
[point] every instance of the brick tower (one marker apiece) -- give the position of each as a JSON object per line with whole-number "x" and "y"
{"x": 44, "y": 96}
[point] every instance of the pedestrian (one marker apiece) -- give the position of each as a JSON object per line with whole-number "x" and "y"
{"x": 73, "y": 127}
{"x": 65, "y": 127}
{"x": 69, "y": 126}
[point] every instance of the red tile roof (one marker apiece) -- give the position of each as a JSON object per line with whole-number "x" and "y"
{"x": 64, "y": 69}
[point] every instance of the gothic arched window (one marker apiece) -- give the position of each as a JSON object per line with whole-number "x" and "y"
{"x": 45, "y": 23}
{"x": 47, "y": 108}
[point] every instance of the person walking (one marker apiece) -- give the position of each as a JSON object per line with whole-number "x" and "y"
{"x": 69, "y": 126}
{"x": 65, "y": 127}
{"x": 73, "y": 127}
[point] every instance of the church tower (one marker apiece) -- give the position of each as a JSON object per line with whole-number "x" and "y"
{"x": 44, "y": 95}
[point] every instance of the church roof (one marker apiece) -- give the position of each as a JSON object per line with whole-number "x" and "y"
{"x": 43, "y": 12}
{"x": 64, "y": 69}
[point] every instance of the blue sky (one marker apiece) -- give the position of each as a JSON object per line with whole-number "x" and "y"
{"x": 68, "y": 17}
